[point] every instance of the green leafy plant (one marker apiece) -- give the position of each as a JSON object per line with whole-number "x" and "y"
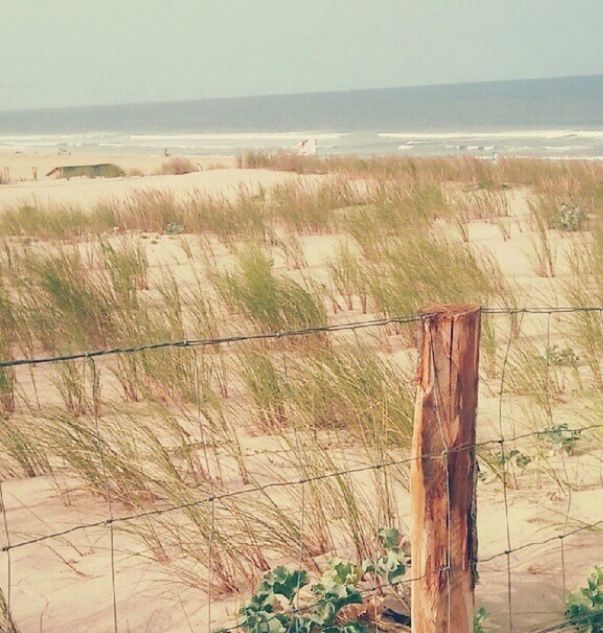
{"x": 584, "y": 607}
{"x": 521, "y": 460}
{"x": 478, "y": 620}
{"x": 271, "y": 608}
{"x": 561, "y": 437}
{"x": 174, "y": 228}
{"x": 505, "y": 465}
{"x": 569, "y": 217}
{"x": 558, "y": 357}
{"x": 275, "y": 608}
{"x": 390, "y": 567}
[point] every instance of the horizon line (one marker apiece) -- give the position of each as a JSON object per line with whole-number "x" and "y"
{"x": 293, "y": 94}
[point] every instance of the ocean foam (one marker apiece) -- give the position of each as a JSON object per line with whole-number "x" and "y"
{"x": 511, "y": 134}
{"x": 240, "y": 136}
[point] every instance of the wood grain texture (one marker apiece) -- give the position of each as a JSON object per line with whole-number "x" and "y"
{"x": 443, "y": 527}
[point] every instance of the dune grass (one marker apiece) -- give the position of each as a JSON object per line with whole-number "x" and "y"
{"x": 6, "y": 619}
{"x": 409, "y": 277}
{"x": 179, "y": 425}
{"x": 45, "y": 222}
{"x": 348, "y": 277}
{"x": 585, "y": 288}
{"x": 307, "y": 208}
{"x": 178, "y": 166}
{"x": 270, "y": 302}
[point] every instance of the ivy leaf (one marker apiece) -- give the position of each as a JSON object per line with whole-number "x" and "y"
{"x": 396, "y": 574}
{"x": 263, "y": 598}
{"x": 340, "y": 572}
{"x": 324, "y": 613}
{"x": 368, "y": 566}
{"x": 584, "y": 607}
{"x": 283, "y": 582}
{"x": 264, "y": 622}
{"x": 300, "y": 624}
{"x": 354, "y": 627}
{"x": 389, "y": 537}
{"x": 478, "y": 620}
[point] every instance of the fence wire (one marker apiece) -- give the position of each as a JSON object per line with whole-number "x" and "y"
{"x": 215, "y": 496}
{"x": 240, "y": 338}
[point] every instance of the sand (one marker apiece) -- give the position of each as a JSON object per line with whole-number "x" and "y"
{"x": 21, "y": 165}
{"x": 219, "y": 177}
{"x": 65, "y": 584}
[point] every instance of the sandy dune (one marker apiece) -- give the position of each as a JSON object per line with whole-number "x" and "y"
{"x": 21, "y": 165}
{"x": 86, "y": 192}
{"x": 52, "y": 577}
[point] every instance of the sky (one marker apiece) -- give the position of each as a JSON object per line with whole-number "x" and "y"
{"x": 57, "y": 53}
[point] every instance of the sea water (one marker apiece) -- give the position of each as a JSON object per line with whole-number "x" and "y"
{"x": 554, "y": 118}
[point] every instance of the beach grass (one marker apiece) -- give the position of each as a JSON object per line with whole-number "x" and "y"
{"x": 361, "y": 238}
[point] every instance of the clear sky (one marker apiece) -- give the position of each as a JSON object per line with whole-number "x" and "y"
{"x": 80, "y": 52}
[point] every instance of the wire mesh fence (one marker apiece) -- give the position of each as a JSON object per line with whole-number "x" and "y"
{"x": 221, "y": 459}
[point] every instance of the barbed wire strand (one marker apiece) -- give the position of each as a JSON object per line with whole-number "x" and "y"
{"x": 280, "y": 484}
{"x": 213, "y": 497}
{"x": 391, "y": 585}
{"x": 208, "y": 342}
{"x": 550, "y": 539}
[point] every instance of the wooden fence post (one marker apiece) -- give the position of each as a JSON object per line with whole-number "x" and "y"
{"x": 443, "y": 530}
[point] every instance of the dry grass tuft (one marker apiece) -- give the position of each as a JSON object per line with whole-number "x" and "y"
{"x": 178, "y": 166}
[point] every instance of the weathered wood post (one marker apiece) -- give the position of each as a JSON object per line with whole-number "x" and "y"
{"x": 443, "y": 530}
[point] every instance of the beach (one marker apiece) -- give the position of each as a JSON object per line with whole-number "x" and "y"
{"x": 217, "y": 175}
{"x": 301, "y": 317}
{"x": 168, "y": 267}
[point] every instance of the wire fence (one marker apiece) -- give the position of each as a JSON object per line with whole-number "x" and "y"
{"x": 213, "y": 500}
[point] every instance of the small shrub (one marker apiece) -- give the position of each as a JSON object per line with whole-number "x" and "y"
{"x": 521, "y": 460}
{"x": 569, "y": 217}
{"x": 558, "y": 357}
{"x": 274, "y": 606}
{"x": 561, "y": 437}
{"x": 505, "y": 465}
{"x": 178, "y": 166}
{"x": 174, "y": 228}
{"x": 585, "y": 605}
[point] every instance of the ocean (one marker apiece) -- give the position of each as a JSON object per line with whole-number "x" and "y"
{"x": 553, "y": 118}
